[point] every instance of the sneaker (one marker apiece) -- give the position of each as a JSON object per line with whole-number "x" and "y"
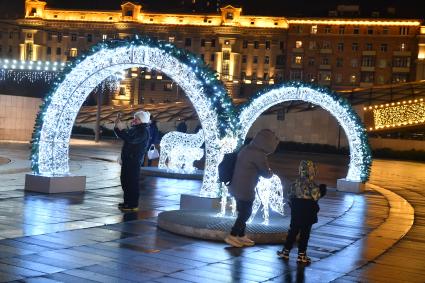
{"x": 127, "y": 208}
{"x": 283, "y": 254}
{"x": 246, "y": 241}
{"x": 233, "y": 241}
{"x": 303, "y": 258}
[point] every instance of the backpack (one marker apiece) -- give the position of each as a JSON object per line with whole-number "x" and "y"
{"x": 227, "y": 167}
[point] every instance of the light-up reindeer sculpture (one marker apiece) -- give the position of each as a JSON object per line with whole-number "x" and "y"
{"x": 180, "y": 150}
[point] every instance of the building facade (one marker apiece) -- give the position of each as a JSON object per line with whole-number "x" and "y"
{"x": 248, "y": 52}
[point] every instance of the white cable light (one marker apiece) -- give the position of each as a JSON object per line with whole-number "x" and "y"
{"x": 353, "y": 130}
{"x": 58, "y": 119}
{"x": 27, "y": 70}
{"x": 269, "y": 194}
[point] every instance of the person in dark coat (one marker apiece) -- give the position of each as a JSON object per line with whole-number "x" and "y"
{"x": 303, "y": 197}
{"x": 153, "y": 137}
{"x": 251, "y": 163}
{"x": 135, "y": 143}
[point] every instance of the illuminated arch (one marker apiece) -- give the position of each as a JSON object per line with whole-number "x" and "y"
{"x": 360, "y": 158}
{"x": 50, "y": 152}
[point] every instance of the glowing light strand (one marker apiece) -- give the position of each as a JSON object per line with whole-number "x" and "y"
{"x": 180, "y": 150}
{"x": 360, "y": 154}
{"x": 54, "y": 121}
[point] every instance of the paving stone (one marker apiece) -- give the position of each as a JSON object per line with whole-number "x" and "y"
{"x": 85, "y": 238}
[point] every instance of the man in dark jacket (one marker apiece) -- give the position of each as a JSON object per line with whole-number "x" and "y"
{"x": 135, "y": 143}
{"x": 250, "y": 165}
{"x": 303, "y": 196}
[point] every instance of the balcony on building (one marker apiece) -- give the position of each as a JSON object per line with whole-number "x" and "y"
{"x": 325, "y": 51}
{"x": 401, "y": 70}
{"x": 298, "y": 50}
{"x": 367, "y": 69}
{"x": 402, "y": 53}
{"x": 296, "y": 66}
{"x": 324, "y": 67}
{"x": 369, "y": 53}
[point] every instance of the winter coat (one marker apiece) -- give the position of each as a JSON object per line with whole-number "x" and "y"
{"x": 251, "y": 164}
{"x": 153, "y": 134}
{"x": 304, "y": 194}
{"x": 135, "y": 142}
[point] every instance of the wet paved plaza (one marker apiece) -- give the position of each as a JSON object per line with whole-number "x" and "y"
{"x": 83, "y": 237}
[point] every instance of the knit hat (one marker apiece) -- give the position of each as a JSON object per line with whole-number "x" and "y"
{"x": 144, "y": 116}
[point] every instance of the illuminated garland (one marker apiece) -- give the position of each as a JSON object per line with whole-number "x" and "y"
{"x": 223, "y": 129}
{"x": 180, "y": 150}
{"x": 269, "y": 194}
{"x": 360, "y": 153}
{"x": 399, "y": 115}
{"x": 50, "y": 140}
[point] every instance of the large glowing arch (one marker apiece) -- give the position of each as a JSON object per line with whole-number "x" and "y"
{"x": 360, "y": 158}
{"x": 50, "y": 152}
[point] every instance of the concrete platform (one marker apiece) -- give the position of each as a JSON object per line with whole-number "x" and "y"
{"x": 208, "y": 225}
{"x": 55, "y": 184}
{"x": 157, "y": 172}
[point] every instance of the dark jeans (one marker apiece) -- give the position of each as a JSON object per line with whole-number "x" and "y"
{"x": 304, "y": 231}
{"x": 244, "y": 209}
{"x": 130, "y": 173}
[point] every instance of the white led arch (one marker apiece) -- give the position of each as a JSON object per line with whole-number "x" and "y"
{"x": 360, "y": 159}
{"x": 50, "y": 154}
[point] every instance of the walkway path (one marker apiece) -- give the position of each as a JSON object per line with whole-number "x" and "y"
{"x": 84, "y": 238}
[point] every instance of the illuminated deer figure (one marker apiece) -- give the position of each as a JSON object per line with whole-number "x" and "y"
{"x": 180, "y": 150}
{"x": 268, "y": 192}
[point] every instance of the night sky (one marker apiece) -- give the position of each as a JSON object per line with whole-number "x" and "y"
{"x": 307, "y": 8}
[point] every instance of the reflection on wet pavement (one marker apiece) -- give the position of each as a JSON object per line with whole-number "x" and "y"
{"x": 82, "y": 237}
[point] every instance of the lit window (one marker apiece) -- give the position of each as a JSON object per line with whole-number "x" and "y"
{"x": 403, "y": 47}
{"x": 314, "y": 29}
{"x": 104, "y": 36}
{"x": 168, "y": 86}
{"x": 298, "y": 44}
{"x": 298, "y": 60}
{"x": 73, "y": 52}
{"x": 171, "y": 39}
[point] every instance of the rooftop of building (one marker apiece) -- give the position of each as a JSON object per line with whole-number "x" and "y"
{"x": 284, "y": 8}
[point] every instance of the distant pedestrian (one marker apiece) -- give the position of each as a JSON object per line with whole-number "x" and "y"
{"x": 153, "y": 137}
{"x": 135, "y": 143}
{"x": 251, "y": 163}
{"x": 182, "y": 127}
{"x": 303, "y": 197}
